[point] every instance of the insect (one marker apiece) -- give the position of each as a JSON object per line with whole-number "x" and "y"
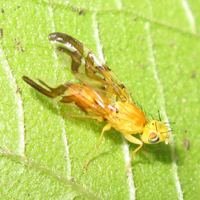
{"x": 101, "y": 95}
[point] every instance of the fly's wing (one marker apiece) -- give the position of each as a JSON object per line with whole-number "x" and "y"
{"x": 88, "y": 68}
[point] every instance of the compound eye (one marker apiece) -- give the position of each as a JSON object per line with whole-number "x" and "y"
{"x": 153, "y": 138}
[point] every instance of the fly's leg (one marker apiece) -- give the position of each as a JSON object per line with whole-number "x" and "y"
{"x": 107, "y": 127}
{"x": 98, "y": 118}
{"x": 133, "y": 140}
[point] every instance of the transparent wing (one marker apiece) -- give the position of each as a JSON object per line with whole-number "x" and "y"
{"x": 88, "y": 68}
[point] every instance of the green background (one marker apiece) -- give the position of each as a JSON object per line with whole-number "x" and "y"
{"x": 153, "y": 47}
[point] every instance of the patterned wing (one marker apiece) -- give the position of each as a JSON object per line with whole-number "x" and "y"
{"x": 88, "y": 68}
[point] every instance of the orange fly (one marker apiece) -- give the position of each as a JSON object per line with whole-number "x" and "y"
{"x": 101, "y": 95}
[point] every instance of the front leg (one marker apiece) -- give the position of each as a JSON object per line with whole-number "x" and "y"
{"x": 133, "y": 140}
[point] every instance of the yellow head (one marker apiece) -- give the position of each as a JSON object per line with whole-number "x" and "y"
{"x": 154, "y": 132}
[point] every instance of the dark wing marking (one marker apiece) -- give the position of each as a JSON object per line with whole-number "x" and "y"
{"x": 88, "y": 68}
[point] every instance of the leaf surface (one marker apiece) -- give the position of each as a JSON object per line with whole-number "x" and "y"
{"x": 153, "y": 47}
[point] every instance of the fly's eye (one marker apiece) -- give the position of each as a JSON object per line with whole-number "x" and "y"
{"x": 153, "y": 138}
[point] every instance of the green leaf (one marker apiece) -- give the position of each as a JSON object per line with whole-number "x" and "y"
{"x": 153, "y": 48}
